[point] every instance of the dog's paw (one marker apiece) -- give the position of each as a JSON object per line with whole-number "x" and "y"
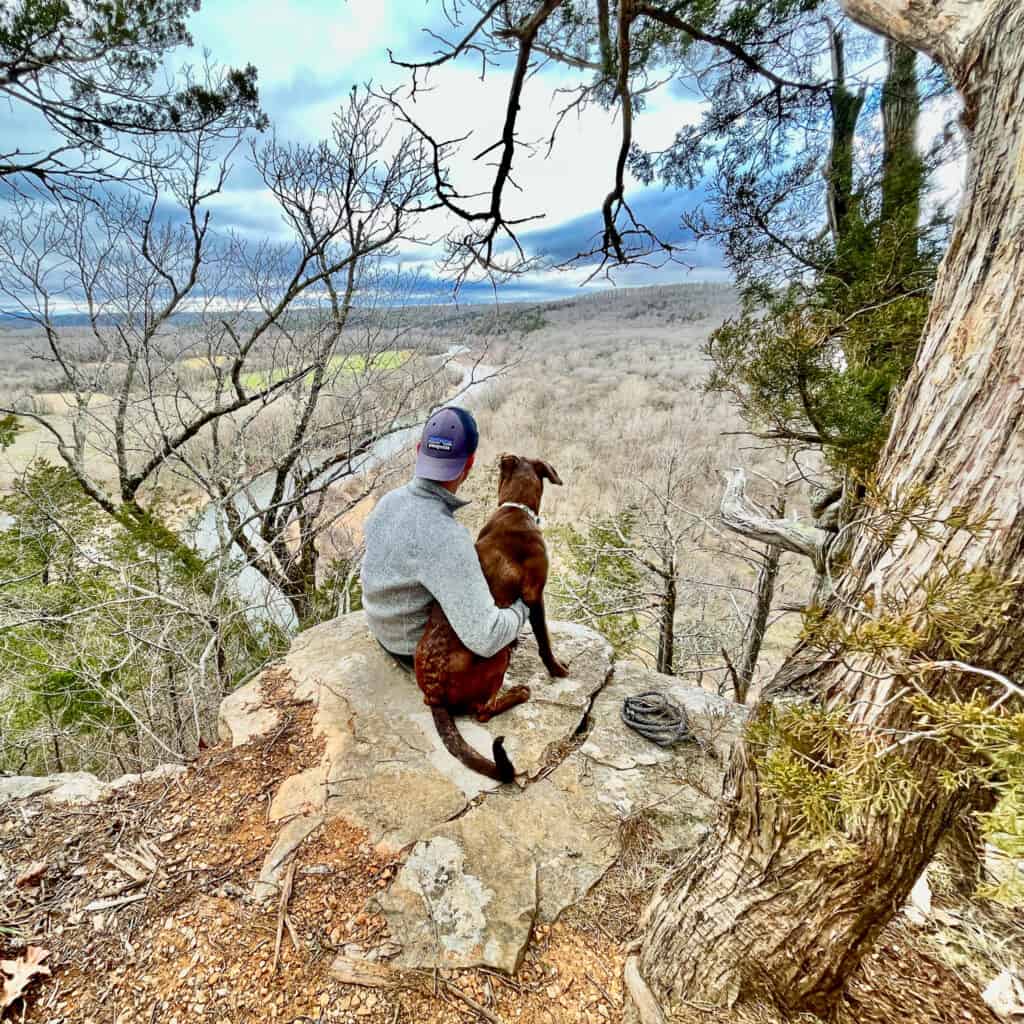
{"x": 557, "y": 670}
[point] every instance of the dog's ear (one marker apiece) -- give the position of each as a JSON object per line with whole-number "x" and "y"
{"x": 546, "y": 471}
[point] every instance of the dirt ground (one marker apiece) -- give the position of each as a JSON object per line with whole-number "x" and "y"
{"x": 142, "y": 903}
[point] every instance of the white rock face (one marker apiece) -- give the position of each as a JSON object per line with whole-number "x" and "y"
{"x": 76, "y": 787}
{"x": 919, "y": 905}
{"x": 384, "y": 766}
{"x": 243, "y": 716}
{"x": 465, "y": 896}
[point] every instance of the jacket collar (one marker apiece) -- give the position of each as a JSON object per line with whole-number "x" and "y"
{"x": 431, "y": 489}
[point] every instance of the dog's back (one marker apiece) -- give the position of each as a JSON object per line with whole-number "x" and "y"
{"x": 447, "y": 671}
{"x": 513, "y": 559}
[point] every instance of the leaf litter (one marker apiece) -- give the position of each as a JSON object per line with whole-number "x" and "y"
{"x": 143, "y": 904}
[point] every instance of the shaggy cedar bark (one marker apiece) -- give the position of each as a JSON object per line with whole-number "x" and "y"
{"x": 754, "y": 912}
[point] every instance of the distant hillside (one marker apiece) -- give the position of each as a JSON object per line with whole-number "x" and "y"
{"x": 612, "y": 302}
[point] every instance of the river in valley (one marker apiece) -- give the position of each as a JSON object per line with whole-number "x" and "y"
{"x": 263, "y": 601}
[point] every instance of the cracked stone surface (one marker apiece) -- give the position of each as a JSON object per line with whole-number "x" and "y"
{"x": 568, "y": 821}
{"x": 384, "y": 767}
{"x": 482, "y": 861}
{"x": 677, "y": 785}
{"x": 714, "y": 720}
{"x": 464, "y": 897}
{"x": 563, "y": 830}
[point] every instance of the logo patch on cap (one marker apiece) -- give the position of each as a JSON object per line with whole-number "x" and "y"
{"x": 436, "y": 443}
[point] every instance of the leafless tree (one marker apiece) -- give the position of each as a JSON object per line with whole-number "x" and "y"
{"x": 638, "y": 565}
{"x": 263, "y": 374}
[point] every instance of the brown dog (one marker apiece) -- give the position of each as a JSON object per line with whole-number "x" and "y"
{"x": 515, "y": 564}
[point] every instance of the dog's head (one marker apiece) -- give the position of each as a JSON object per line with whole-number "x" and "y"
{"x": 522, "y": 480}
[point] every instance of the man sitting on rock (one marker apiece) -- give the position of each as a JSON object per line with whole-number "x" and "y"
{"x": 417, "y": 553}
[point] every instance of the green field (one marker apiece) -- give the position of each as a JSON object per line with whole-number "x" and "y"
{"x": 389, "y": 359}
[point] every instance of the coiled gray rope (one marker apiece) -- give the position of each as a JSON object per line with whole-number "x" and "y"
{"x": 656, "y": 718}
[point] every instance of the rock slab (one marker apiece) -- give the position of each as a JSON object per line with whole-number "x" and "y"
{"x": 483, "y": 862}
{"x": 77, "y": 787}
{"x": 465, "y": 897}
{"x": 566, "y": 825}
{"x": 384, "y": 767}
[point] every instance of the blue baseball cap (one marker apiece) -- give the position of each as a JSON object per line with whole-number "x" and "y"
{"x": 449, "y": 438}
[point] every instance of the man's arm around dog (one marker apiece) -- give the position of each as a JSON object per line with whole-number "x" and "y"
{"x": 417, "y": 553}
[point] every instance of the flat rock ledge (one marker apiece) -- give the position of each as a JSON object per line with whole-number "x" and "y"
{"x": 77, "y": 787}
{"x": 483, "y": 862}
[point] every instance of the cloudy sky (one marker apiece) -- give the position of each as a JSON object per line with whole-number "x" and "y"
{"x": 311, "y": 52}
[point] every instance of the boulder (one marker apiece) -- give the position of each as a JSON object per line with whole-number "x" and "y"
{"x": 384, "y": 766}
{"x": 484, "y": 861}
{"x": 567, "y": 825}
{"x": 465, "y": 897}
{"x": 77, "y": 787}
{"x": 243, "y": 716}
{"x": 56, "y": 787}
{"x": 563, "y": 828}
{"x": 715, "y": 721}
{"x": 677, "y": 787}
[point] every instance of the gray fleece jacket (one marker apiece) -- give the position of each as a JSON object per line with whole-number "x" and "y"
{"x": 416, "y": 553}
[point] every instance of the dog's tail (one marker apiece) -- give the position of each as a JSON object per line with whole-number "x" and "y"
{"x": 500, "y": 769}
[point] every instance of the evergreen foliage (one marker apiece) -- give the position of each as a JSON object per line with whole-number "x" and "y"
{"x": 828, "y": 775}
{"x": 94, "y": 72}
{"x": 820, "y": 359}
{"x": 830, "y": 768}
{"x": 110, "y": 655}
{"x": 8, "y": 430}
{"x": 836, "y": 271}
{"x": 599, "y": 580}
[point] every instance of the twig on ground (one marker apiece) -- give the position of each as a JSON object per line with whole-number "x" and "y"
{"x": 353, "y": 971}
{"x": 113, "y": 904}
{"x": 611, "y": 1000}
{"x": 282, "y": 914}
{"x": 471, "y": 1003}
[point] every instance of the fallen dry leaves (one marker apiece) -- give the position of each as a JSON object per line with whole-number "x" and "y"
{"x": 20, "y": 973}
{"x": 145, "y": 906}
{"x": 31, "y": 874}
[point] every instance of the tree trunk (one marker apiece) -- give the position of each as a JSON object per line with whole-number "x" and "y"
{"x": 846, "y": 107}
{"x": 902, "y": 168}
{"x": 173, "y": 701}
{"x": 757, "y": 912}
{"x": 667, "y": 626}
{"x": 764, "y": 593}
